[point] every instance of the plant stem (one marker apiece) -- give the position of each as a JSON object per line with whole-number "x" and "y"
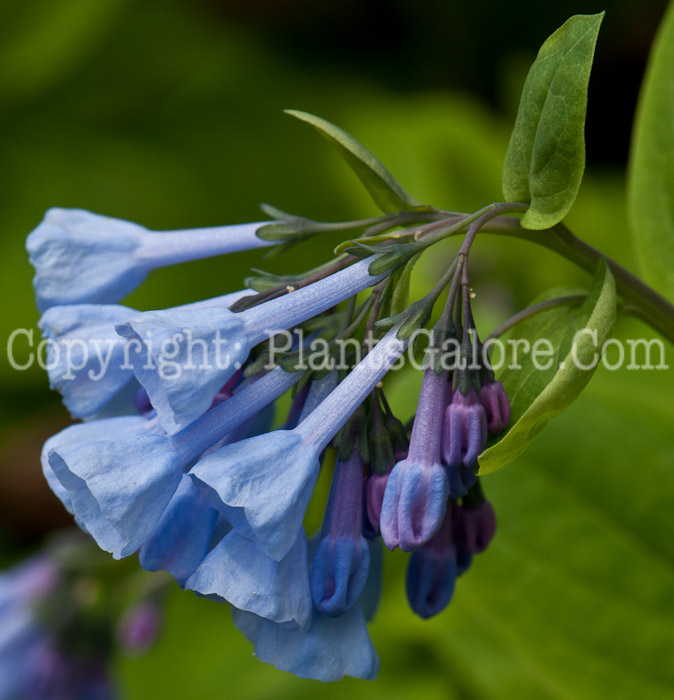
{"x": 533, "y": 310}
{"x": 650, "y": 306}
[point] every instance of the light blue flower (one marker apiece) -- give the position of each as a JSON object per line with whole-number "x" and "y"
{"x": 182, "y": 537}
{"x": 179, "y": 358}
{"x": 74, "y": 492}
{"x": 330, "y": 647}
{"x": 238, "y": 572}
{"x": 269, "y": 479}
{"x": 131, "y": 479}
{"x": 82, "y": 258}
{"x": 121, "y": 473}
{"x": 86, "y": 358}
{"x": 416, "y": 493}
{"x": 183, "y": 358}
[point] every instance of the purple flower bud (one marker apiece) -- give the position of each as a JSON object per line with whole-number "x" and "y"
{"x": 465, "y": 430}
{"x": 139, "y": 627}
{"x": 416, "y": 494}
{"x": 474, "y": 527}
{"x": 432, "y": 572}
{"x": 342, "y": 559}
{"x": 496, "y": 406}
{"x": 375, "y": 487}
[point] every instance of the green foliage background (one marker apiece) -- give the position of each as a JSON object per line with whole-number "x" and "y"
{"x": 169, "y": 113}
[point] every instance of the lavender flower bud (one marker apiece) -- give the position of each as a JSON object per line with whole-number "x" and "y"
{"x": 494, "y": 400}
{"x": 474, "y": 527}
{"x": 465, "y": 430}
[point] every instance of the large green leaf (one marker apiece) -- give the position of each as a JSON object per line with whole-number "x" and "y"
{"x": 387, "y": 194}
{"x": 537, "y": 395}
{"x": 651, "y": 180}
{"x": 546, "y": 156}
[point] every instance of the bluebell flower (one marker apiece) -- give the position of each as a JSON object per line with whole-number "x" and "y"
{"x": 464, "y": 438}
{"x": 494, "y": 400}
{"x": 432, "y": 572}
{"x": 238, "y": 572}
{"x": 182, "y": 537}
{"x": 465, "y": 429}
{"x": 120, "y": 484}
{"x": 269, "y": 479}
{"x": 182, "y": 357}
{"x": 416, "y": 493}
{"x": 82, "y": 258}
{"x": 330, "y": 647}
{"x": 342, "y": 560}
{"x": 72, "y": 490}
{"x": 86, "y": 358}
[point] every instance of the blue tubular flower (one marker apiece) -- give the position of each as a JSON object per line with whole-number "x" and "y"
{"x": 270, "y": 478}
{"x": 237, "y": 571}
{"x": 183, "y": 358}
{"x": 342, "y": 560}
{"x": 494, "y": 400}
{"x": 120, "y": 487}
{"x": 329, "y": 648}
{"x": 131, "y": 479}
{"x": 432, "y": 572}
{"x": 177, "y": 356}
{"x": 416, "y": 494}
{"x": 86, "y": 359}
{"x": 74, "y": 493}
{"x": 182, "y": 537}
{"x": 82, "y": 258}
{"x": 319, "y": 389}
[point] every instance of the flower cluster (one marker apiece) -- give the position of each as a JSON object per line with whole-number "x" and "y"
{"x": 56, "y": 640}
{"x": 180, "y": 462}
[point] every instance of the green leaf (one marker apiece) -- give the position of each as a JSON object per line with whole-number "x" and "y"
{"x": 651, "y": 171}
{"x": 546, "y": 156}
{"x": 538, "y": 395}
{"x": 387, "y": 194}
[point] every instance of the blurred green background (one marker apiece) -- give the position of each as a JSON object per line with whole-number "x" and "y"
{"x": 168, "y": 113}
